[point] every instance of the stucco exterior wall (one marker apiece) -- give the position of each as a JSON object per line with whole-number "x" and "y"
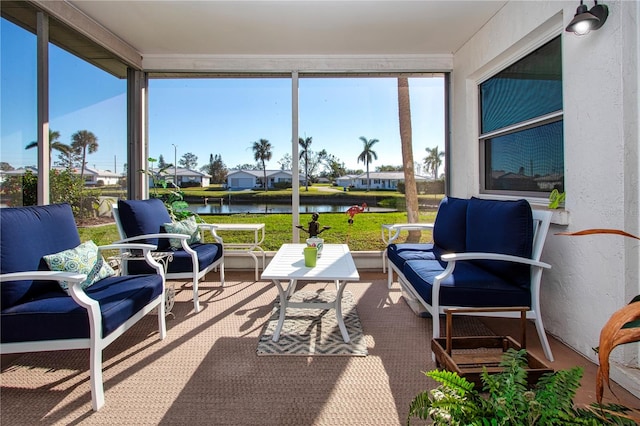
{"x": 591, "y": 276}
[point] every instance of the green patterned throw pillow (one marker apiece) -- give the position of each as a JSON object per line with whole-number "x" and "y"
{"x": 187, "y": 226}
{"x": 83, "y": 259}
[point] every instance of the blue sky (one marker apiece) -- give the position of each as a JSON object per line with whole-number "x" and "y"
{"x": 210, "y": 116}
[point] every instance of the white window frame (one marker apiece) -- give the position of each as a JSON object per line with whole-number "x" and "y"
{"x": 489, "y": 71}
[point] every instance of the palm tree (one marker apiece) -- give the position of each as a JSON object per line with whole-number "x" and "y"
{"x": 54, "y": 143}
{"x": 368, "y": 155}
{"x": 304, "y": 155}
{"x": 433, "y": 160}
{"x": 83, "y": 141}
{"x": 410, "y": 189}
{"x": 262, "y": 152}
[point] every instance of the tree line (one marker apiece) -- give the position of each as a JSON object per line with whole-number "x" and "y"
{"x": 71, "y": 155}
{"x": 84, "y": 142}
{"x": 310, "y": 162}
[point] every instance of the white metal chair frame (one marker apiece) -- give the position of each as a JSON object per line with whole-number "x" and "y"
{"x": 96, "y": 342}
{"x": 196, "y": 274}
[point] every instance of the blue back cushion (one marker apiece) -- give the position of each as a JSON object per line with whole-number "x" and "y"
{"x": 504, "y": 227}
{"x": 139, "y": 217}
{"x": 27, "y": 234}
{"x": 449, "y": 229}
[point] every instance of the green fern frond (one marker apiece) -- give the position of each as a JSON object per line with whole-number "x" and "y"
{"x": 419, "y": 407}
{"x": 555, "y": 392}
{"x": 452, "y": 381}
{"x": 513, "y": 379}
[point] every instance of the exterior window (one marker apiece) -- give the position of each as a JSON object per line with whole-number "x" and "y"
{"x": 521, "y": 121}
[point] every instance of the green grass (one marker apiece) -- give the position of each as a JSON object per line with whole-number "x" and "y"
{"x": 363, "y": 235}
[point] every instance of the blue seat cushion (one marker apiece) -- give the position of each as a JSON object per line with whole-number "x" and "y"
{"x": 469, "y": 285}
{"x": 26, "y": 235}
{"x": 55, "y": 315}
{"x": 140, "y": 217}
{"x": 398, "y": 254}
{"x": 504, "y": 227}
{"x": 207, "y": 254}
{"x": 450, "y": 226}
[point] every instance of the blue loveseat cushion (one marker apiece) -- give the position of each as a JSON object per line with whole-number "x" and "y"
{"x": 450, "y": 227}
{"x": 26, "y": 235}
{"x": 504, "y": 227}
{"x": 448, "y": 235}
{"x": 139, "y": 217}
{"x": 469, "y": 285}
{"x": 207, "y": 254}
{"x": 398, "y": 254}
{"x": 55, "y": 315}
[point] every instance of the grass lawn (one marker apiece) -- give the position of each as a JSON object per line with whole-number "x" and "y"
{"x": 363, "y": 235}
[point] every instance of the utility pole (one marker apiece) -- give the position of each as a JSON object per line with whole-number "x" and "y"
{"x": 175, "y": 164}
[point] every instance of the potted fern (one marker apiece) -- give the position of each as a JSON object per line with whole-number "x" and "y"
{"x": 508, "y": 400}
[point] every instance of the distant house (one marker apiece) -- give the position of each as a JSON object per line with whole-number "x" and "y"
{"x": 346, "y": 180}
{"x": 250, "y": 179}
{"x": 95, "y": 177}
{"x": 379, "y": 180}
{"x": 92, "y": 177}
{"x": 186, "y": 177}
{"x": 4, "y": 174}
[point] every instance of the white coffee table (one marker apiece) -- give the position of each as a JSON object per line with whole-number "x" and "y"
{"x": 334, "y": 264}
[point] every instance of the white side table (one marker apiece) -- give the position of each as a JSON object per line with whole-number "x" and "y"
{"x": 250, "y": 247}
{"x": 163, "y": 258}
{"x": 391, "y": 232}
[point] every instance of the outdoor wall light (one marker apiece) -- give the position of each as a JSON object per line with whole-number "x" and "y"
{"x": 587, "y": 20}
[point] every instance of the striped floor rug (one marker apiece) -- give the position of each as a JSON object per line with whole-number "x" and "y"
{"x": 309, "y": 332}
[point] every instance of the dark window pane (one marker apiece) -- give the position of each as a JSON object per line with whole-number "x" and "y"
{"x": 528, "y": 160}
{"x": 530, "y": 88}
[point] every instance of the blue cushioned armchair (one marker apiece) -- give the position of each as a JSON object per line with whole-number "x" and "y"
{"x": 485, "y": 254}
{"x": 143, "y": 221}
{"x": 38, "y": 315}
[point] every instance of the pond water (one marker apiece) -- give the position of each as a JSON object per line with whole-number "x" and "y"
{"x": 273, "y": 208}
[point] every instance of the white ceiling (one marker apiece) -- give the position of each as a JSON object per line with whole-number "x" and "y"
{"x": 294, "y": 27}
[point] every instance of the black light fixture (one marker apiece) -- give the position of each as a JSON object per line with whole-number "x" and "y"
{"x": 587, "y": 20}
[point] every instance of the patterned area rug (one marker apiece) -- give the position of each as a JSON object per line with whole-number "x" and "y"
{"x": 314, "y": 331}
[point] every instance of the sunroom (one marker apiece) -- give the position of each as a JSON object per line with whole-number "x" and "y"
{"x": 581, "y": 95}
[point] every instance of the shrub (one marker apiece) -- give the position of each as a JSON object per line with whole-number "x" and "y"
{"x": 64, "y": 187}
{"x": 508, "y": 399}
{"x": 282, "y": 185}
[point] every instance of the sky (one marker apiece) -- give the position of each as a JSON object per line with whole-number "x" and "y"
{"x": 210, "y": 116}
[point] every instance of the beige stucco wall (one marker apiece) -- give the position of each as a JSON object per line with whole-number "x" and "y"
{"x": 592, "y": 276}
